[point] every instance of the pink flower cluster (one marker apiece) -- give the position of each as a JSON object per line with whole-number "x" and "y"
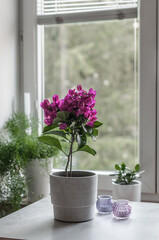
{"x": 79, "y": 102}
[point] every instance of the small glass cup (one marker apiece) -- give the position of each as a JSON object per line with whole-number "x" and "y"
{"x": 121, "y": 209}
{"x": 104, "y": 204}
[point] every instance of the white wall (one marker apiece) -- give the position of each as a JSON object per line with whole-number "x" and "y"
{"x": 9, "y": 58}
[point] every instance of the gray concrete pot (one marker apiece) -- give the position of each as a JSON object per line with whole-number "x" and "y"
{"x": 73, "y": 197}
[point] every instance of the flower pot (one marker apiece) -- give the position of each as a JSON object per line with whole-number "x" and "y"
{"x": 130, "y": 192}
{"x": 73, "y": 198}
{"x": 37, "y": 175}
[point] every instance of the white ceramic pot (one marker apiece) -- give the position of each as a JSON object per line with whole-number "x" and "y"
{"x": 131, "y": 192}
{"x": 37, "y": 175}
{"x": 73, "y": 198}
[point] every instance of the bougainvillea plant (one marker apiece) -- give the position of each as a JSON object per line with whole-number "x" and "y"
{"x": 72, "y": 120}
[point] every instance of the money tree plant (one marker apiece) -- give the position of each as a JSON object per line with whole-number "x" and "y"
{"x": 125, "y": 175}
{"x": 71, "y": 120}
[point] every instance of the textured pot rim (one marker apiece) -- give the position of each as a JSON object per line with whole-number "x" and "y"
{"x": 136, "y": 182}
{"x": 53, "y": 174}
{"x": 121, "y": 201}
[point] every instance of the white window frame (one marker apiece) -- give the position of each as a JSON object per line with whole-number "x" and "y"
{"x": 33, "y": 72}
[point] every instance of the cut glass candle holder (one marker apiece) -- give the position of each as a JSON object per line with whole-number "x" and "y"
{"x": 121, "y": 209}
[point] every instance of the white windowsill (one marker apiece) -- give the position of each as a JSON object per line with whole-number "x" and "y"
{"x": 105, "y": 185}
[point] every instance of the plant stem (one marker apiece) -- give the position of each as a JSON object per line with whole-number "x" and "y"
{"x": 70, "y": 157}
{"x": 71, "y": 165}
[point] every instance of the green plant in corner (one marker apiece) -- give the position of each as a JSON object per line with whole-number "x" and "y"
{"x": 23, "y": 133}
{"x": 18, "y": 147}
{"x": 12, "y": 181}
{"x": 125, "y": 175}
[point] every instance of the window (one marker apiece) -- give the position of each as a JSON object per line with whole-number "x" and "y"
{"x": 148, "y": 70}
{"x": 101, "y": 55}
{"x": 87, "y": 52}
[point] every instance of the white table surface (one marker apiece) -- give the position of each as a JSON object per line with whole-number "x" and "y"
{"x": 36, "y": 222}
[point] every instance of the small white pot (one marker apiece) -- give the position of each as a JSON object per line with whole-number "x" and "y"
{"x": 131, "y": 192}
{"x": 73, "y": 198}
{"x": 37, "y": 175}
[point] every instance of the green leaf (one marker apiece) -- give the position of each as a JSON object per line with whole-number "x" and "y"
{"x": 93, "y": 138}
{"x": 83, "y": 140}
{"x": 84, "y": 128}
{"x": 66, "y": 114}
{"x": 137, "y": 167}
{"x": 123, "y": 166}
{"x": 57, "y": 120}
{"x": 63, "y": 115}
{"x": 87, "y": 149}
{"x": 50, "y": 127}
{"x": 78, "y": 140}
{"x": 50, "y": 141}
{"x": 58, "y": 133}
{"x": 89, "y": 129}
{"x": 97, "y": 124}
{"x": 95, "y": 132}
{"x": 117, "y": 167}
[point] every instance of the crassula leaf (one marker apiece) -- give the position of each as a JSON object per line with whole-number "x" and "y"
{"x": 117, "y": 167}
{"x": 123, "y": 166}
{"x": 137, "y": 167}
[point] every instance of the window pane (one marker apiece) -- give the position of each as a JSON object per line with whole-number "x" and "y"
{"x": 101, "y": 56}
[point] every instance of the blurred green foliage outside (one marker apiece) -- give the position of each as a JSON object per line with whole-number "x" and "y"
{"x": 102, "y": 56}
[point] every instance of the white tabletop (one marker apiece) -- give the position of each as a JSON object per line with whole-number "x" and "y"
{"x": 36, "y": 222}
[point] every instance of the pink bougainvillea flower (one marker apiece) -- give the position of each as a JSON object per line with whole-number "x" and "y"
{"x": 55, "y": 98}
{"x": 91, "y": 124}
{"x": 63, "y": 126}
{"x": 93, "y": 104}
{"x": 77, "y": 101}
{"x": 91, "y": 121}
{"x": 79, "y": 87}
{"x": 50, "y": 113}
{"x": 53, "y": 107}
{"x": 48, "y": 120}
{"x": 71, "y": 92}
{"x": 94, "y": 112}
{"x": 45, "y": 104}
{"x": 92, "y": 92}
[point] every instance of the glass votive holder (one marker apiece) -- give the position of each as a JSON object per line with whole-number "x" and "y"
{"x": 121, "y": 209}
{"x": 104, "y": 204}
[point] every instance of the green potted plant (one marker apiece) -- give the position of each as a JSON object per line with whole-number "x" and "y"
{"x": 72, "y": 120}
{"x": 126, "y": 186}
{"x": 35, "y": 158}
{"x": 38, "y": 165}
{"x": 12, "y": 181}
